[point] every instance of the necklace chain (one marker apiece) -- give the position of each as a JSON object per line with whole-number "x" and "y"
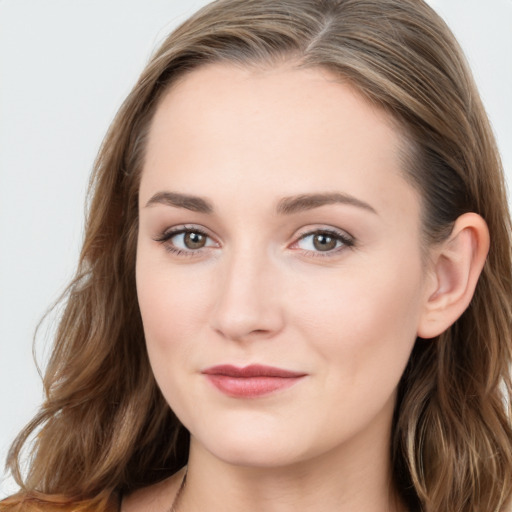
{"x": 178, "y": 494}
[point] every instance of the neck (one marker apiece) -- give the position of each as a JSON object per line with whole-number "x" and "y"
{"x": 350, "y": 479}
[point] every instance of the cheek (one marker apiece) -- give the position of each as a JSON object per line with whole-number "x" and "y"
{"x": 364, "y": 321}
{"x": 362, "y": 328}
{"x": 172, "y": 304}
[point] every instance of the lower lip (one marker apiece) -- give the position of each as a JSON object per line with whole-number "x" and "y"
{"x": 251, "y": 387}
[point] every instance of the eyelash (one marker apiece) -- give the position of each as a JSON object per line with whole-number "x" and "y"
{"x": 346, "y": 240}
{"x": 165, "y": 238}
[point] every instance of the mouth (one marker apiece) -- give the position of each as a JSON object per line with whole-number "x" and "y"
{"x": 251, "y": 381}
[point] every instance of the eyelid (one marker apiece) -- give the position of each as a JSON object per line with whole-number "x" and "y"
{"x": 165, "y": 239}
{"x": 346, "y": 239}
{"x": 180, "y": 228}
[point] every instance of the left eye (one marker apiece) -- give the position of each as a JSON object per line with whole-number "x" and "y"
{"x": 323, "y": 241}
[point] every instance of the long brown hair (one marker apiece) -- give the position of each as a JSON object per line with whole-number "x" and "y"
{"x": 105, "y": 426}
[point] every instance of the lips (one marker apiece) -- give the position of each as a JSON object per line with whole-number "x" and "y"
{"x": 251, "y": 381}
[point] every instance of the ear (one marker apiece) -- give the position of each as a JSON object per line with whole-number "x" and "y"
{"x": 456, "y": 266}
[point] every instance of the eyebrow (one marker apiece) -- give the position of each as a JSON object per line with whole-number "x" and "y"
{"x": 193, "y": 203}
{"x": 286, "y": 206}
{"x": 296, "y": 204}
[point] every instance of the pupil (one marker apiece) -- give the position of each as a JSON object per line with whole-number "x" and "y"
{"x": 324, "y": 242}
{"x": 194, "y": 240}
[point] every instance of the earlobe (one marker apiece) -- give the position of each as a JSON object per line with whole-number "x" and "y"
{"x": 456, "y": 267}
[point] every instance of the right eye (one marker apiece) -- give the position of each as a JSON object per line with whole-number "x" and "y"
{"x": 189, "y": 240}
{"x": 186, "y": 241}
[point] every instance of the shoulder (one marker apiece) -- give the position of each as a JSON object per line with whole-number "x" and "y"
{"x": 25, "y": 503}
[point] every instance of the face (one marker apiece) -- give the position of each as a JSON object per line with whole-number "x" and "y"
{"x": 279, "y": 268}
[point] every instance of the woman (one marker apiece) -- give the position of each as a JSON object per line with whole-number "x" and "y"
{"x": 294, "y": 290}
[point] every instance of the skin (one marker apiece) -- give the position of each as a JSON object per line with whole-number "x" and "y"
{"x": 260, "y": 291}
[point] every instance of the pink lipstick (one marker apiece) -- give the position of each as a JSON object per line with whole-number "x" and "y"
{"x": 250, "y": 381}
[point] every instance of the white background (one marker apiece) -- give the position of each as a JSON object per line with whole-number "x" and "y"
{"x": 65, "y": 67}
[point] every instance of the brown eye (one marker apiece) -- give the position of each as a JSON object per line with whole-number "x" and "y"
{"x": 186, "y": 241}
{"x": 324, "y": 242}
{"x": 194, "y": 240}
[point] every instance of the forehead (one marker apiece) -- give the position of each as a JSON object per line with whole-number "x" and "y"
{"x": 280, "y": 130}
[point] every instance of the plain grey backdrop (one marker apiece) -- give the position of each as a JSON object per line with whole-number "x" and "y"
{"x": 65, "y": 67}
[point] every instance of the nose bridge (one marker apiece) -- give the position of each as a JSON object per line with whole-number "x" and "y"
{"x": 247, "y": 300}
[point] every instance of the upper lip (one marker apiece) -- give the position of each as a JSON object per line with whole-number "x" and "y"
{"x": 253, "y": 370}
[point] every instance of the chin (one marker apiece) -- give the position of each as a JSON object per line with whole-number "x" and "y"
{"x": 256, "y": 447}
{"x": 269, "y": 456}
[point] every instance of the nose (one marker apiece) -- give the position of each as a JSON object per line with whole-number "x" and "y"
{"x": 247, "y": 305}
